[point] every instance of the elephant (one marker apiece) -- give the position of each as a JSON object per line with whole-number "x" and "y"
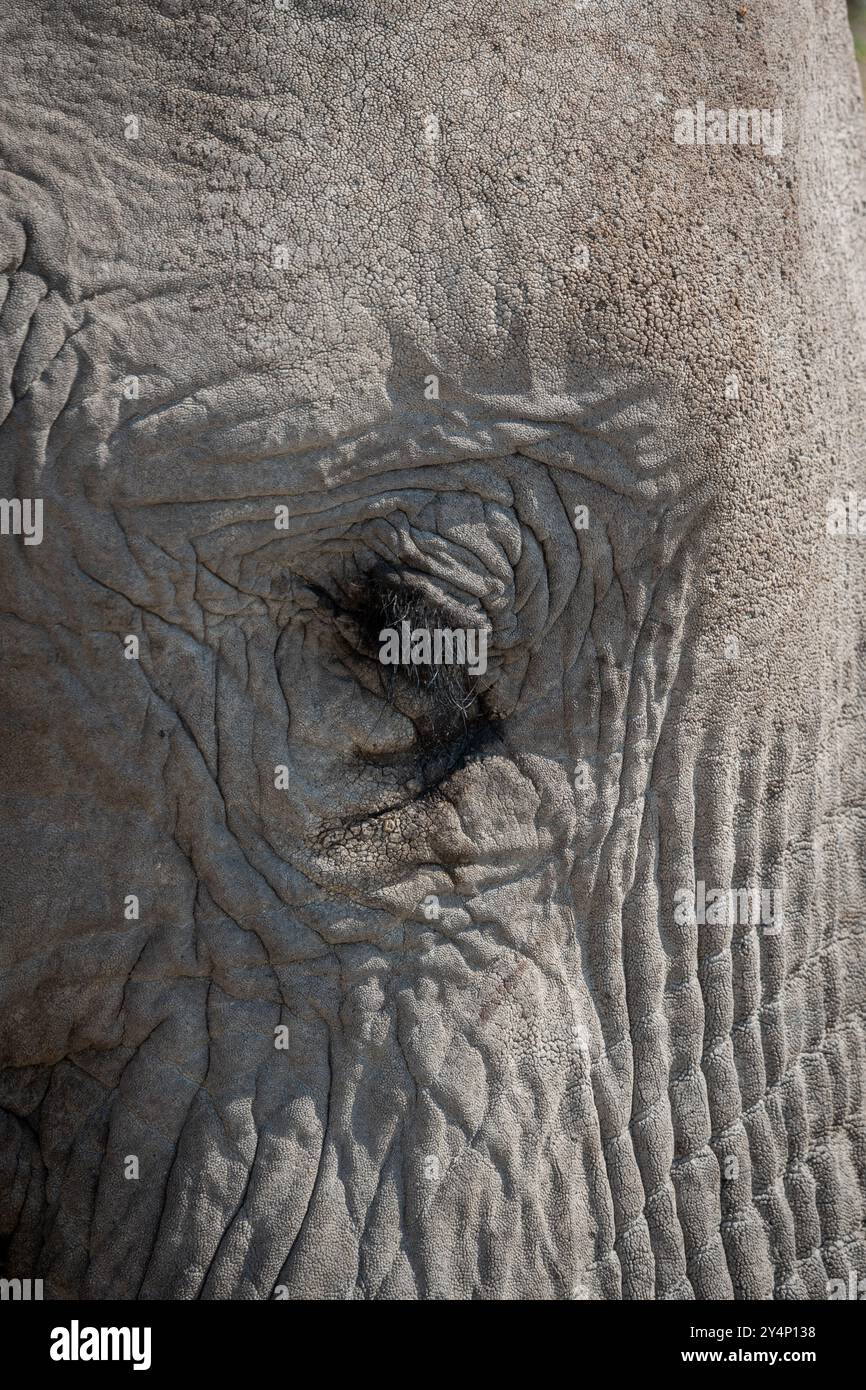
{"x": 326, "y": 978}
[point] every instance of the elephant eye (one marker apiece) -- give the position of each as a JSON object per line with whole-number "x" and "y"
{"x": 406, "y": 649}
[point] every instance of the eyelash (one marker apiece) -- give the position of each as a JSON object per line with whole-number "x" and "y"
{"x": 450, "y": 716}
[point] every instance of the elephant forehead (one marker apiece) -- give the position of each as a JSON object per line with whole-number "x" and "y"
{"x": 469, "y": 201}
{"x": 365, "y": 196}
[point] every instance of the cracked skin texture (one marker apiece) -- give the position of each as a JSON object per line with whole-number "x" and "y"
{"x": 540, "y": 1093}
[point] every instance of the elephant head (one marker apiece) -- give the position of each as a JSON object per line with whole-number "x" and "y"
{"x": 535, "y": 976}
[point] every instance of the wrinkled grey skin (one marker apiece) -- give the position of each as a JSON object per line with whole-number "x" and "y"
{"x": 540, "y": 1093}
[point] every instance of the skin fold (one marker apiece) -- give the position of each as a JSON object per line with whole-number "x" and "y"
{"x": 430, "y": 279}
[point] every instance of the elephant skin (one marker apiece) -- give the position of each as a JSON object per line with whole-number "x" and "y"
{"x": 318, "y": 985}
